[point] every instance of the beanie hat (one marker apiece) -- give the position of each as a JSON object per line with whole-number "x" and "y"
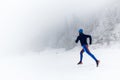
{"x": 80, "y": 30}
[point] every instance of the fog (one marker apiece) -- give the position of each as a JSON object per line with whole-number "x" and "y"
{"x": 33, "y": 25}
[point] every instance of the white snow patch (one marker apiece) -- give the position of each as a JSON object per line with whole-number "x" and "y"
{"x": 48, "y": 65}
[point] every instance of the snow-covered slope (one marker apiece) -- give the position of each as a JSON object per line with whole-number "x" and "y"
{"x": 62, "y": 65}
{"x": 29, "y": 26}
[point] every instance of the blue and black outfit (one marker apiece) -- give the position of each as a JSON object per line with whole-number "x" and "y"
{"x": 83, "y": 40}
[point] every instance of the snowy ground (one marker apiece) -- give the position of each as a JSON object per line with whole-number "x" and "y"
{"x": 61, "y": 65}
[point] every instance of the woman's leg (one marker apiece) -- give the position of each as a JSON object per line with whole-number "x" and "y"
{"x": 81, "y": 56}
{"x": 85, "y": 47}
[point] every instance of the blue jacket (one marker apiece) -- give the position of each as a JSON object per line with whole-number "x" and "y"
{"x": 83, "y": 39}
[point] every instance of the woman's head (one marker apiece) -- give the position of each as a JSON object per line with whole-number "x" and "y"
{"x": 80, "y": 30}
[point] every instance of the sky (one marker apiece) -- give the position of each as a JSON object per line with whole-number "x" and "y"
{"x": 28, "y": 23}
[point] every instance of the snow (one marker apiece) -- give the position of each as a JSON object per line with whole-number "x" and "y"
{"x": 31, "y": 38}
{"x": 59, "y": 64}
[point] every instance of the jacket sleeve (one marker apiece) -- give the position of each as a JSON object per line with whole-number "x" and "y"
{"x": 90, "y": 38}
{"x": 77, "y": 39}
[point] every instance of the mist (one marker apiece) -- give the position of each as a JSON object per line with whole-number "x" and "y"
{"x": 33, "y": 25}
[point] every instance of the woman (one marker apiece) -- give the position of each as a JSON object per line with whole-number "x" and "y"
{"x": 83, "y": 40}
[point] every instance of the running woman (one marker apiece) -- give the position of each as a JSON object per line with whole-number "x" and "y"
{"x": 83, "y": 40}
